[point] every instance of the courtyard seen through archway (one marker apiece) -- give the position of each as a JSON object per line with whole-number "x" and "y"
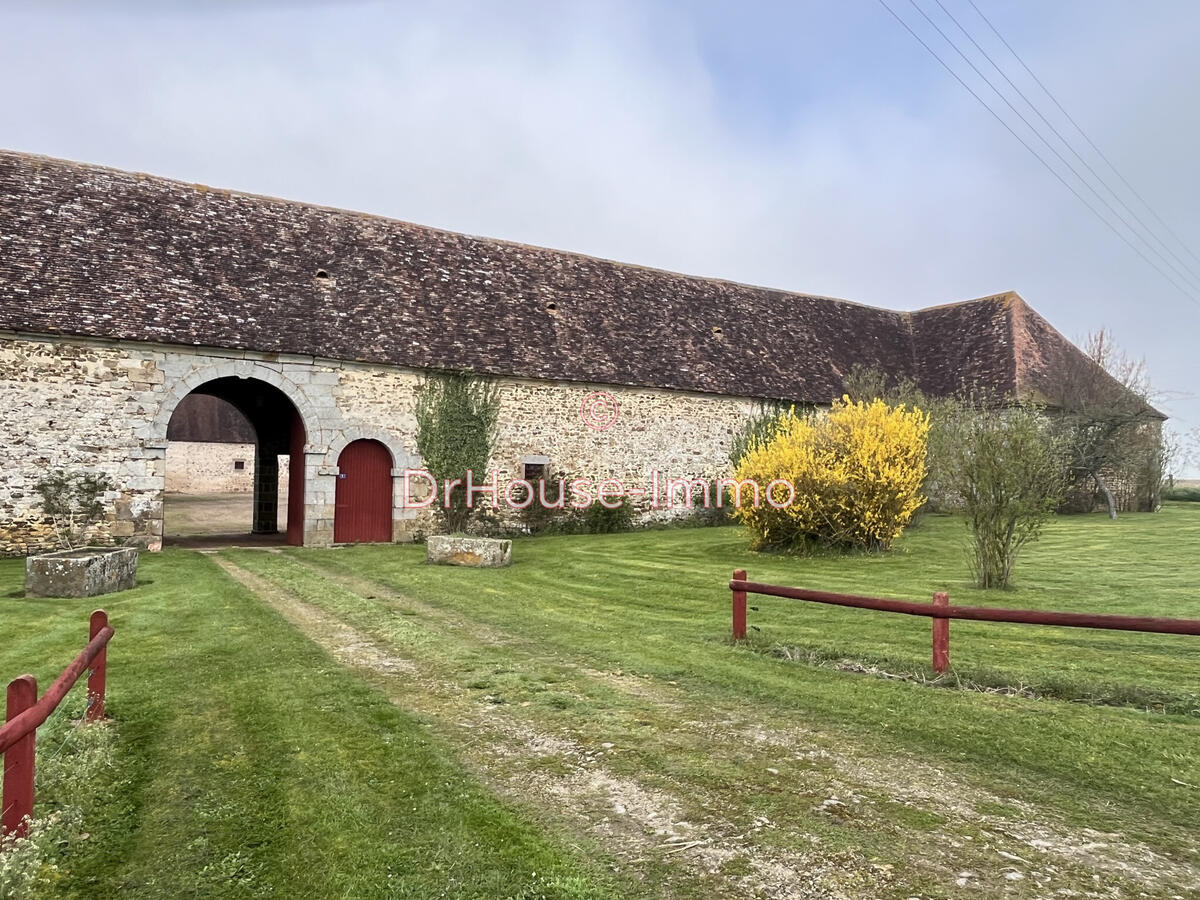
{"x": 235, "y": 466}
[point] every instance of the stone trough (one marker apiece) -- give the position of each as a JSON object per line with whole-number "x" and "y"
{"x": 83, "y": 572}
{"x": 480, "y": 552}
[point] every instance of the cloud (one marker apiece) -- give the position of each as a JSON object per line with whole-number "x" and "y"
{"x": 805, "y": 147}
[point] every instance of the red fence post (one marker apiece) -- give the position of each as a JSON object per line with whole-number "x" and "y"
{"x": 17, "y": 795}
{"x": 739, "y": 607}
{"x": 99, "y": 672}
{"x": 941, "y": 636}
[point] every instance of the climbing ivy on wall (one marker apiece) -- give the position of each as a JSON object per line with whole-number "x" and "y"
{"x": 457, "y": 413}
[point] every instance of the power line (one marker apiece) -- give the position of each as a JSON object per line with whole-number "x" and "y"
{"x": 1191, "y": 280}
{"x": 1036, "y": 155}
{"x": 1083, "y": 133}
{"x": 1066, "y": 143}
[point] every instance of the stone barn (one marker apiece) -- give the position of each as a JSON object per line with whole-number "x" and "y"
{"x": 123, "y": 295}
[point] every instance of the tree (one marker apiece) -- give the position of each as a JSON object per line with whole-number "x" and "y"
{"x": 457, "y": 414}
{"x": 1184, "y": 455}
{"x": 1007, "y": 472}
{"x": 1108, "y": 422}
{"x": 72, "y": 502}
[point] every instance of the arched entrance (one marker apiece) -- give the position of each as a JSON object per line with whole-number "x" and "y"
{"x": 212, "y": 413}
{"x": 362, "y": 510}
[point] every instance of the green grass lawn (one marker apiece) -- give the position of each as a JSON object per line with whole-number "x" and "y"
{"x": 247, "y": 763}
{"x": 583, "y": 715}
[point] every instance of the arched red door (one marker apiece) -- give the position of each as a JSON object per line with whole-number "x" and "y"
{"x": 362, "y": 505}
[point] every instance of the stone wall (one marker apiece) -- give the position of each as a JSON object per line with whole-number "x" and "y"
{"x": 104, "y": 406}
{"x": 680, "y": 435}
{"x": 211, "y": 467}
{"x": 195, "y": 467}
{"x": 74, "y": 405}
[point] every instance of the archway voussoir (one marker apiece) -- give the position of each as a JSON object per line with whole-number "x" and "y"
{"x": 192, "y": 379}
{"x": 347, "y": 436}
{"x": 268, "y": 374}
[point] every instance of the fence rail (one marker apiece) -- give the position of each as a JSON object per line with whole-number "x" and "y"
{"x": 25, "y": 713}
{"x": 942, "y": 612}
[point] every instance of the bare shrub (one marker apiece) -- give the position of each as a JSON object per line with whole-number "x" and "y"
{"x": 1008, "y": 473}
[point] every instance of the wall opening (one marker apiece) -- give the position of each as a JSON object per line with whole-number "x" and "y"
{"x": 362, "y": 511}
{"x": 235, "y": 465}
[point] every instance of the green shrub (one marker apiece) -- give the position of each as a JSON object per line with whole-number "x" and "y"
{"x": 698, "y": 515}
{"x": 711, "y": 516}
{"x": 73, "y": 501}
{"x": 1079, "y": 497}
{"x": 599, "y": 519}
{"x": 1188, "y": 494}
{"x": 539, "y": 518}
{"x": 75, "y": 771}
{"x": 1009, "y": 472}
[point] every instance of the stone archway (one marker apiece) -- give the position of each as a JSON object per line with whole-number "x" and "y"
{"x": 154, "y": 433}
{"x": 400, "y": 457}
{"x": 278, "y": 420}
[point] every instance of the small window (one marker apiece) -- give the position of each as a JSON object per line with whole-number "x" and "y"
{"x": 239, "y": 465}
{"x": 535, "y": 468}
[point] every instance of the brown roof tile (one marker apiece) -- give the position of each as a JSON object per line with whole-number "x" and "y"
{"x": 91, "y": 251}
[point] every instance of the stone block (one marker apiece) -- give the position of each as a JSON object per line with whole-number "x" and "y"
{"x": 84, "y": 572}
{"x": 146, "y": 376}
{"x": 403, "y": 531}
{"x": 480, "y": 552}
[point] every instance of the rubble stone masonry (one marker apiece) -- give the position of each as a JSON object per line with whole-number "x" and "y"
{"x": 202, "y": 467}
{"x": 92, "y": 405}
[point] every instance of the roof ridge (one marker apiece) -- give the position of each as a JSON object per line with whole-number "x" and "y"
{"x": 182, "y": 263}
{"x": 203, "y": 188}
{"x": 1002, "y": 295}
{"x": 1016, "y": 309}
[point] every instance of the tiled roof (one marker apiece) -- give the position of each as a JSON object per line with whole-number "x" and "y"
{"x": 97, "y": 252}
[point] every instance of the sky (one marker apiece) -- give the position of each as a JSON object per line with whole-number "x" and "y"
{"x": 814, "y": 147}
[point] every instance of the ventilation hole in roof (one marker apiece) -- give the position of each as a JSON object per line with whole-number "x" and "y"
{"x": 321, "y": 273}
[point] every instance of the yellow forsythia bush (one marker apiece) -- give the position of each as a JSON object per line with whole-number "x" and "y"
{"x": 856, "y": 470}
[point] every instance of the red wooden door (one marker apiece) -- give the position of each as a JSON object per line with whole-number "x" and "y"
{"x": 362, "y": 505}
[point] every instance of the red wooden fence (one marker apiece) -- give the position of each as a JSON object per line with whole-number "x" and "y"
{"x": 25, "y": 713}
{"x": 942, "y": 612}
